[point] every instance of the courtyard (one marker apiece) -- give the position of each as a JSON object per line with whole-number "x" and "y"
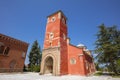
{"x": 36, "y": 76}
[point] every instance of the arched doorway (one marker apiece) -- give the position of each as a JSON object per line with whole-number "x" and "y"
{"x": 12, "y": 64}
{"x": 48, "y": 68}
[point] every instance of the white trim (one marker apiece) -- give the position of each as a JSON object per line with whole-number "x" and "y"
{"x": 53, "y": 39}
{"x": 59, "y": 15}
{"x": 48, "y": 20}
{"x": 80, "y": 55}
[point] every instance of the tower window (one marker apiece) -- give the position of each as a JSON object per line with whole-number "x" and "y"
{"x": 53, "y": 19}
{"x": 50, "y": 44}
{"x": 63, "y": 20}
{"x": 51, "y": 35}
{"x": 64, "y": 37}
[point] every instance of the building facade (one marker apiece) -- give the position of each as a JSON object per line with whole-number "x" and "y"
{"x": 59, "y": 56}
{"x": 12, "y": 54}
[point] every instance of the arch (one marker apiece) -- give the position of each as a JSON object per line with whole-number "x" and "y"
{"x": 7, "y": 51}
{"x": 48, "y": 65}
{"x": 53, "y": 64}
{"x": 12, "y": 64}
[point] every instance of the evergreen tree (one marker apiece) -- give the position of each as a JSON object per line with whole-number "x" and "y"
{"x": 35, "y": 55}
{"x": 108, "y": 46}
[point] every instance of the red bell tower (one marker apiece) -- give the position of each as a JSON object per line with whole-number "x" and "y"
{"x": 55, "y": 45}
{"x": 56, "y": 30}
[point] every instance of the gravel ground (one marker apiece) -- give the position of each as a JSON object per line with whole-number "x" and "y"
{"x": 36, "y": 76}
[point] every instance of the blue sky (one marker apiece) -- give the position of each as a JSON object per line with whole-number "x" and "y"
{"x": 26, "y": 19}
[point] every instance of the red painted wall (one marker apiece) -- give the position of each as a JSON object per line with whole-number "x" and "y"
{"x": 78, "y": 68}
{"x": 64, "y": 58}
{"x": 53, "y": 27}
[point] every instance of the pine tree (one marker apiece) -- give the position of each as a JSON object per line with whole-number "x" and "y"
{"x": 35, "y": 55}
{"x": 108, "y": 46}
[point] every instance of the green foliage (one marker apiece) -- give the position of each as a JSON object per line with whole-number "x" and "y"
{"x": 35, "y": 57}
{"x": 99, "y": 73}
{"x": 97, "y": 66}
{"x": 116, "y": 76}
{"x": 35, "y": 68}
{"x": 118, "y": 65}
{"x": 108, "y": 47}
{"x": 24, "y": 69}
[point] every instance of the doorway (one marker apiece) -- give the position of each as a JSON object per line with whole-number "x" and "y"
{"x": 48, "y": 68}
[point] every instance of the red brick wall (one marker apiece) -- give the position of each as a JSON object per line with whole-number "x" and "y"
{"x": 15, "y": 54}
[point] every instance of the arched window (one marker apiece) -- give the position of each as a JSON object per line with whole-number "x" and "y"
{"x": 1, "y": 49}
{"x": 7, "y": 51}
{"x": 12, "y": 64}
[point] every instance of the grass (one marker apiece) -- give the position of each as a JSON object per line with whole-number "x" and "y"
{"x": 99, "y": 73}
{"x": 115, "y": 76}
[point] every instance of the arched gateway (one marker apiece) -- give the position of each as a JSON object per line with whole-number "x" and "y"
{"x": 50, "y": 61}
{"x": 48, "y": 66}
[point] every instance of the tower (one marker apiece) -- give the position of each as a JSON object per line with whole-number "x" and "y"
{"x": 55, "y": 53}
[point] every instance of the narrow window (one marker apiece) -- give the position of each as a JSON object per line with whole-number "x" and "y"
{"x": 7, "y": 51}
{"x": 1, "y": 49}
{"x": 50, "y": 44}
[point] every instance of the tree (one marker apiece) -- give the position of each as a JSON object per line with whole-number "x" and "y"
{"x": 97, "y": 66}
{"x": 108, "y": 46}
{"x": 35, "y": 56}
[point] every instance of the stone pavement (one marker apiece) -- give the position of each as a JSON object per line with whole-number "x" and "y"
{"x": 36, "y": 76}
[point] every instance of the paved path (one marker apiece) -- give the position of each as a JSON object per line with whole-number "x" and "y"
{"x": 36, "y": 76}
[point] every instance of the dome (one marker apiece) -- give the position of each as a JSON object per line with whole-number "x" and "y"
{"x": 80, "y": 45}
{"x": 86, "y": 49}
